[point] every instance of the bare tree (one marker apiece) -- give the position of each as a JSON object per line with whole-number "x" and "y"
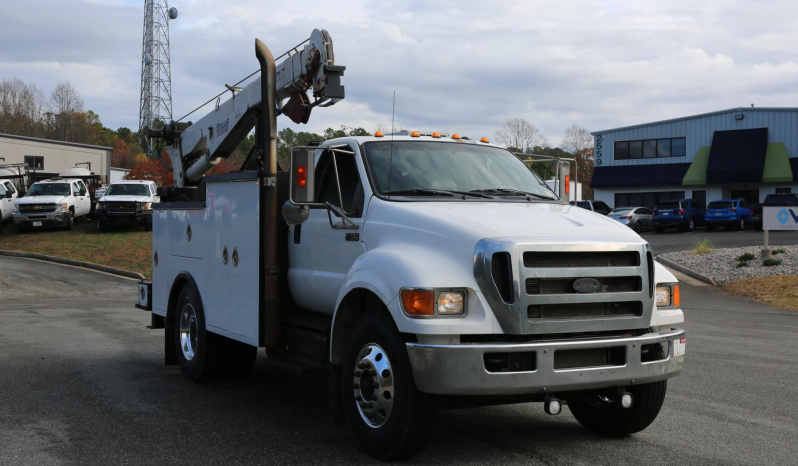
{"x": 575, "y": 139}
{"x": 519, "y": 134}
{"x": 21, "y": 107}
{"x": 65, "y": 102}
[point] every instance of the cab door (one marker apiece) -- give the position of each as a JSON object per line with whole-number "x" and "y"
{"x": 322, "y": 252}
{"x": 6, "y": 203}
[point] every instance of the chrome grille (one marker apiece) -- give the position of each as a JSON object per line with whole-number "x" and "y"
{"x": 581, "y": 259}
{"x": 585, "y": 310}
{"x": 24, "y": 208}
{"x": 540, "y": 286}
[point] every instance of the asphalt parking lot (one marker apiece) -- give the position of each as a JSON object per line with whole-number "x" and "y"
{"x": 674, "y": 240}
{"x": 83, "y": 381}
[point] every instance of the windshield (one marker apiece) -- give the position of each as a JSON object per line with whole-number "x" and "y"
{"x": 720, "y": 205}
{"x": 420, "y": 166}
{"x": 127, "y": 190}
{"x": 49, "y": 189}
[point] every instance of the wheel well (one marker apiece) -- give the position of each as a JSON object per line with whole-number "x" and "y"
{"x": 356, "y": 303}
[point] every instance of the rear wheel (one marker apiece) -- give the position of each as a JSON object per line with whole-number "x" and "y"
{"x": 388, "y": 415}
{"x": 741, "y": 225}
{"x": 198, "y": 351}
{"x": 600, "y": 411}
{"x": 637, "y": 227}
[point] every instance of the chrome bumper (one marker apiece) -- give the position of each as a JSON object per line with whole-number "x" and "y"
{"x": 459, "y": 369}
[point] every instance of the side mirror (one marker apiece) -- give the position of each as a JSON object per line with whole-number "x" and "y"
{"x": 303, "y": 186}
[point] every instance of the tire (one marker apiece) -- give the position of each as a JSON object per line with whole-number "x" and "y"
{"x": 690, "y": 225}
{"x": 599, "y": 412}
{"x": 391, "y": 418}
{"x": 100, "y": 226}
{"x": 741, "y": 225}
{"x": 637, "y": 227}
{"x": 198, "y": 351}
{"x": 148, "y": 225}
{"x": 70, "y": 221}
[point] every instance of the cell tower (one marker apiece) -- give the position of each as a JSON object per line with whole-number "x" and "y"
{"x": 156, "y": 77}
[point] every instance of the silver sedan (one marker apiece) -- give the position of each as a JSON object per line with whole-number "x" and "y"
{"x": 636, "y": 218}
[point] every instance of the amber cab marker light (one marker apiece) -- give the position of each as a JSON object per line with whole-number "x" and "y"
{"x": 485, "y": 140}
{"x": 676, "y": 298}
{"x": 567, "y": 184}
{"x": 455, "y": 136}
{"x": 436, "y": 135}
{"x": 419, "y": 302}
{"x": 378, "y": 134}
{"x": 302, "y": 176}
{"x": 414, "y": 134}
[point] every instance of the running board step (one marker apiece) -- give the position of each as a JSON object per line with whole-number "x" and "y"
{"x": 293, "y": 365}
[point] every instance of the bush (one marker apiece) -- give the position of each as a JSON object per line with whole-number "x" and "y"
{"x": 746, "y": 257}
{"x": 778, "y": 251}
{"x": 771, "y": 262}
{"x": 742, "y": 264}
{"x": 704, "y": 247}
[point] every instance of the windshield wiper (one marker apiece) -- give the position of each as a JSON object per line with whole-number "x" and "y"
{"x": 508, "y": 191}
{"x": 439, "y": 192}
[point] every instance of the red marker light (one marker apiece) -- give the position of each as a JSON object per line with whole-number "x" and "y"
{"x": 302, "y": 176}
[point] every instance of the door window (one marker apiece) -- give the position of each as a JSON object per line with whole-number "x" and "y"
{"x": 350, "y": 197}
{"x": 75, "y": 189}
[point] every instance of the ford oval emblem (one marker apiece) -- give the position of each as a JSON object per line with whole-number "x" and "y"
{"x": 587, "y": 285}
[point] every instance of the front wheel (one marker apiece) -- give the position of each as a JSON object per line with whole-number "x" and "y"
{"x": 70, "y": 220}
{"x": 600, "y": 411}
{"x": 387, "y": 414}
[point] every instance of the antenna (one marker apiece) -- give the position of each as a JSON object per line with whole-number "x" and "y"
{"x": 390, "y": 157}
{"x": 155, "y": 108}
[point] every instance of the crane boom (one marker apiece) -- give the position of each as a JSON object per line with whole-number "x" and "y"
{"x": 194, "y": 149}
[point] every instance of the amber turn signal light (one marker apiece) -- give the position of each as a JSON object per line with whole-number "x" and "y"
{"x": 676, "y": 298}
{"x": 418, "y": 302}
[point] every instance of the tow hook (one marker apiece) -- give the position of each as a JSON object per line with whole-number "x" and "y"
{"x": 552, "y": 406}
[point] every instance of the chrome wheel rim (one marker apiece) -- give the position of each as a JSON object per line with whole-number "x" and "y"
{"x": 373, "y": 385}
{"x": 188, "y": 331}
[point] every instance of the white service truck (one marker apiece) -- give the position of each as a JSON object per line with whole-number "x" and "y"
{"x": 413, "y": 269}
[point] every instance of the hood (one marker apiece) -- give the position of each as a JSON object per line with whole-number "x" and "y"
{"x": 125, "y": 198}
{"x": 42, "y": 199}
{"x": 470, "y": 221}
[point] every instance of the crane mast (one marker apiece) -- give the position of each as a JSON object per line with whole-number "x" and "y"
{"x": 195, "y": 148}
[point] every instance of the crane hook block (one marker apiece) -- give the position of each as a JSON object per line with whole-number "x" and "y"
{"x": 298, "y": 107}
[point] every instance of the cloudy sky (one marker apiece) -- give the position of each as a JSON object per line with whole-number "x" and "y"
{"x": 456, "y": 66}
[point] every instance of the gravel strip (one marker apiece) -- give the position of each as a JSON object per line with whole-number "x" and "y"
{"x": 721, "y": 264}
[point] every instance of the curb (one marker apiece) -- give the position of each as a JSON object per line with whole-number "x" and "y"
{"x": 87, "y": 265}
{"x": 686, "y": 271}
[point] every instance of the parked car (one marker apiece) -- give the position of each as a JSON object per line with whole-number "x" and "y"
{"x": 772, "y": 200}
{"x": 54, "y": 202}
{"x": 127, "y": 202}
{"x": 8, "y": 196}
{"x": 684, "y": 214}
{"x": 728, "y": 213}
{"x": 636, "y": 218}
{"x": 596, "y": 206}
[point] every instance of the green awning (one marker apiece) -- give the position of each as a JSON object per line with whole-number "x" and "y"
{"x": 697, "y": 173}
{"x": 777, "y": 164}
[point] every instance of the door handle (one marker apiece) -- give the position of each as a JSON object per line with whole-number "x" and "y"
{"x": 235, "y": 257}
{"x": 224, "y": 255}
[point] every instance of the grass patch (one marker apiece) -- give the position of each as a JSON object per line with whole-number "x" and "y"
{"x": 703, "y": 247}
{"x": 125, "y": 248}
{"x": 742, "y": 264}
{"x": 776, "y": 290}
{"x": 746, "y": 257}
{"x": 771, "y": 262}
{"x": 778, "y": 251}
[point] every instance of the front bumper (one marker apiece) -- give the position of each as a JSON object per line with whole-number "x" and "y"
{"x": 138, "y": 217}
{"x": 46, "y": 219}
{"x": 460, "y": 369}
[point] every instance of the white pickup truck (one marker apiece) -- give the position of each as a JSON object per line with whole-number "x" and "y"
{"x": 56, "y": 202}
{"x": 127, "y": 202}
{"x": 8, "y": 196}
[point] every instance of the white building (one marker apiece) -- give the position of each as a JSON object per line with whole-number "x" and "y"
{"x": 736, "y": 153}
{"x": 48, "y": 158}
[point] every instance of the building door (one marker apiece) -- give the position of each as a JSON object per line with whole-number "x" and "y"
{"x": 750, "y": 195}
{"x": 700, "y": 196}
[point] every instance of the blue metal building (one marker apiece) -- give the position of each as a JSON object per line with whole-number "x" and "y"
{"x": 736, "y": 153}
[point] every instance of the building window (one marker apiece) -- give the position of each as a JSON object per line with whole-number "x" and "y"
{"x": 648, "y": 200}
{"x": 650, "y": 148}
{"x": 35, "y": 162}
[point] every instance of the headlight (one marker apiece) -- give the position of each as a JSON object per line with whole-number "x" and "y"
{"x": 667, "y": 296}
{"x": 61, "y": 207}
{"x": 16, "y": 208}
{"x": 428, "y": 303}
{"x": 100, "y": 206}
{"x": 146, "y": 206}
